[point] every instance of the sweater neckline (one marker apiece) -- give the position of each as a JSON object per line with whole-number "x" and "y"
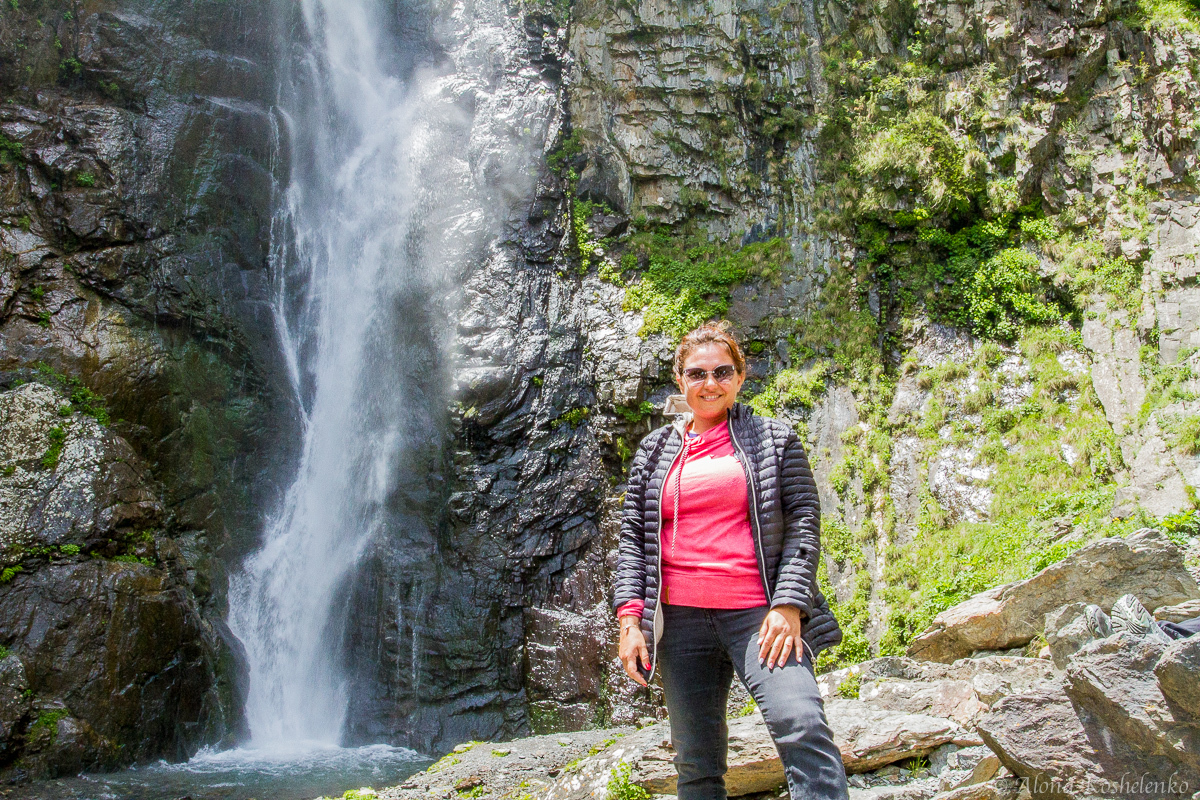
{"x": 701, "y": 438}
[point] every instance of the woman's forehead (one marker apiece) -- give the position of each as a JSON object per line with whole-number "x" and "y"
{"x": 709, "y": 354}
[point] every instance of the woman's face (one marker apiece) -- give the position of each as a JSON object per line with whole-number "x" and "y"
{"x": 710, "y": 399}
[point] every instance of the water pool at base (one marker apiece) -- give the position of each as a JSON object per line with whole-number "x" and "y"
{"x": 297, "y": 773}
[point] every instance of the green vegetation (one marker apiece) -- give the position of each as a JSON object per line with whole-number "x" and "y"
{"x": 11, "y": 153}
{"x": 620, "y": 787}
{"x": 582, "y": 239}
{"x": 472, "y": 792}
{"x": 4, "y": 652}
{"x": 791, "y": 388}
{"x": 10, "y": 572}
{"x": 748, "y": 708}
{"x": 635, "y": 414}
{"x": 850, "y": 686}
{"x": 85, "y": 179}
{"x": 132, "y": 559}
{"x": 1183, "y": 433}
{"x": 70, "y": 68}
{"x": 46, "y": 725}
{"x": 681, "y": 281}
{"x": 57, "y": 437}
{"x": 573, "y": 417}
{"x": 83, "y": 400}
{"x": 448, "y": 760}
{"x": 1181, "y": 15}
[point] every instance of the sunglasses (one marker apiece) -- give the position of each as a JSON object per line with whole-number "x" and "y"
{"x": 722, "y": 374}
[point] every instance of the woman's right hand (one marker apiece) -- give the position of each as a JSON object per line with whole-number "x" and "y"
{"x": 632, "y": 649}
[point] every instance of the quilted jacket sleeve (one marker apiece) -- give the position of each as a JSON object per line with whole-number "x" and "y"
{"x": 631, "y": 552}
{"x": 796, "y": 583}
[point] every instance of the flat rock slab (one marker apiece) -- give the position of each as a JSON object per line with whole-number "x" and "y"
{"x": 868, "y": 737}
{"x": 494, "y": 770}
{"x": 871, "y": 737}
{"x": 1146, "y": 564}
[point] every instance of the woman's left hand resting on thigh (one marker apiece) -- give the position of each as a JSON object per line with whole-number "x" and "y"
{"x": 779, "y": 636}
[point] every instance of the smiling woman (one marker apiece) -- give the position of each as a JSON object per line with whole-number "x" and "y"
{"x": 716, "y": 575}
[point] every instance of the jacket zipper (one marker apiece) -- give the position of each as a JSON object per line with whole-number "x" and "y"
{"x": 662, "y": 493}
{"x": 762, "y": 569}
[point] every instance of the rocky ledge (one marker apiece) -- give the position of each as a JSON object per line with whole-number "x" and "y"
{"x": 1060, "y": 714}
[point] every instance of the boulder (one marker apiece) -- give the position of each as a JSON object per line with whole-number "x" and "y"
{"x": 1178, "y": 673}
{"x": 66, "y": 479}
{"x": 998, "y": 789}
{"x": 15, "y": 704}
{"x": 107, "y": 656}
{"x": 1146, "y": 564}
{"x": 867, "y": 736}
{"x": 991, "y": 677}
{"x": 947, "y": 698}
{"x": 754, "y": 764}
{"x": 1114, "y": 679}
{"x": 1065, "y": 751}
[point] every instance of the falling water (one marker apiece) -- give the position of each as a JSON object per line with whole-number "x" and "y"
{"x": 357, "y": 288}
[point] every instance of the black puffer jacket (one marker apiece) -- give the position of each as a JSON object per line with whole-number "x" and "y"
{"x": 785, "y": 519}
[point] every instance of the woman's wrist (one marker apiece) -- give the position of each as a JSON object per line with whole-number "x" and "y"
{"x": 628, "y": 622}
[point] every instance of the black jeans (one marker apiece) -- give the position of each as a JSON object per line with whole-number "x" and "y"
{"x": 1180, "y": 630}
{"x": 699, "y": 653}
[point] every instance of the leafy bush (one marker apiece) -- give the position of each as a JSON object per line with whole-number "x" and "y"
{"x": 1004, "y": 295}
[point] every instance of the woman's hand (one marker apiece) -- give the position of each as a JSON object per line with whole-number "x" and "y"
{"x": 779, "y": 636}
{"x": 633, "y": 648}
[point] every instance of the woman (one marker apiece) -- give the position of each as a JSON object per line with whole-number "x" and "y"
{"x": 721, "y": 512}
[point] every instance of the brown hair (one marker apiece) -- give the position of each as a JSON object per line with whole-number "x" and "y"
{"x": 720, "y": 332}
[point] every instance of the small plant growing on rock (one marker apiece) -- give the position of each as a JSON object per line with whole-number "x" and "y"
{"x": 620, "y": 787}
{"x": 46, "y": 725}
{"x": 850, "y": 686}
{"x": 57, "y": 437}
{"x": 85, "y": 179}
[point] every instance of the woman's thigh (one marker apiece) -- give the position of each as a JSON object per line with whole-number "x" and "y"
{"x": 792, "y": 707}
{"x": 696, "y": 674}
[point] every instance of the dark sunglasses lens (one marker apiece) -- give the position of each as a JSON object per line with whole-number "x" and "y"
{"x": 695, "y": 375}
{"x": 723, "y": 373}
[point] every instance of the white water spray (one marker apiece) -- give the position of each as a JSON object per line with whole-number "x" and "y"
{"x": 347, "y": 266}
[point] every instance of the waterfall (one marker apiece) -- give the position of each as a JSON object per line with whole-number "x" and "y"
{"x": 411, "y": 129}
{"x": 355, "y": 288}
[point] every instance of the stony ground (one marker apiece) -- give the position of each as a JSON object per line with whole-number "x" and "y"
{"x": 515, "y": 769}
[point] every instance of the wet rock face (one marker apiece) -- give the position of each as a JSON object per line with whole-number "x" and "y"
{"x": 137, "y": 191}
{"x": 109, "y": 656}
{"x": 66, "y": 480}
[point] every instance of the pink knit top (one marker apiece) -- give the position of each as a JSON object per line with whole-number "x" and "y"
{"x": 708, "y": 558}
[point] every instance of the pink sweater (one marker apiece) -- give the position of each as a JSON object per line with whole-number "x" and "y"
{"x": 710, "y": 562}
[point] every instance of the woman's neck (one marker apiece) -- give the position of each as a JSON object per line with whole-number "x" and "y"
{"x": 700, "y": 425}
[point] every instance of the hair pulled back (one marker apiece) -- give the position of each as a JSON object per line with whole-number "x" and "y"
{"x": 719, "y": 332}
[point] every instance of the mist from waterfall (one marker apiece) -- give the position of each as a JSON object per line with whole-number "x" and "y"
{"x": 355, "y": 288}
